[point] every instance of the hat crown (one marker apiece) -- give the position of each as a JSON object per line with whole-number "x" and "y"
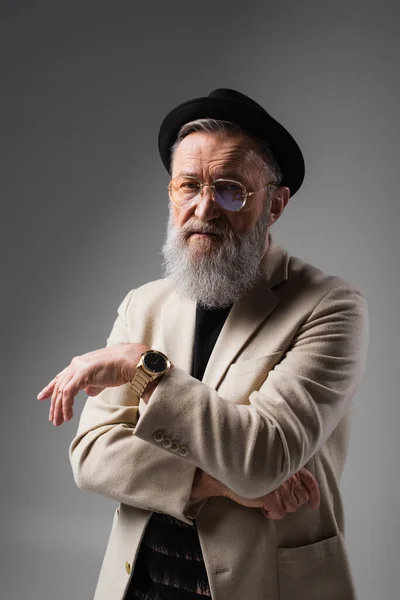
{"x": 229, "y": 94}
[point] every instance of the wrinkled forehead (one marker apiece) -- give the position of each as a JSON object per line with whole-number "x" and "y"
{"x": 217, "y": 153}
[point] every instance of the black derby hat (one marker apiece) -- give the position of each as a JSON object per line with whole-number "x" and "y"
{"x": 234, "y": 106}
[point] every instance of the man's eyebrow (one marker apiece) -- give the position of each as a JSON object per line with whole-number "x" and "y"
{"x": 223, "y": 174}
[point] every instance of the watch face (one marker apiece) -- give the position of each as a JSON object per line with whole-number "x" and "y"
{"x": 155, "y": 362}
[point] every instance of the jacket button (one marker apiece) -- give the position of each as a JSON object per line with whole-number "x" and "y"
{"x": 167, "y": 442}
{"x": 158, "y": 436}
{"x": 174, "y": 446}
{"x": 127, "y": 567}
{"x": 183, "y": 451}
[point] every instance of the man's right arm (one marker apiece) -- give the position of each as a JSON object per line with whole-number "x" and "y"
{"x": 107, "y": 459}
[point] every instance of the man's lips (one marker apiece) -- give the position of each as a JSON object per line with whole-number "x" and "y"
{"x": 202, "y": 233}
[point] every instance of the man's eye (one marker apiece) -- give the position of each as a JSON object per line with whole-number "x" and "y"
{"x": 189, "y": 185}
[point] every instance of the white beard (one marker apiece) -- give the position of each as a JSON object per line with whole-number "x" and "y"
{"x": 214, "y": 273}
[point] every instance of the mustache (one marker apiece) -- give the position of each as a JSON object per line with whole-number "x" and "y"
{"x": 221, "y": 228}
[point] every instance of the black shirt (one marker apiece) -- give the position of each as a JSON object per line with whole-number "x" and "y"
{"x": 170, "y": 563}
{"x": 209, "y": 323}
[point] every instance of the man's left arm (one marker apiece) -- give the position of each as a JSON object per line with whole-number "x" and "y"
{"x": 254, "y": 448}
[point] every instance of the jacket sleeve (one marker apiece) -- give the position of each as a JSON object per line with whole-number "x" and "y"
{"x": 108, "y": 459}
{"x": 254, "y": 448}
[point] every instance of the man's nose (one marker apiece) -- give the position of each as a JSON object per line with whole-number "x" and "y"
{"x": 206, "y": 207}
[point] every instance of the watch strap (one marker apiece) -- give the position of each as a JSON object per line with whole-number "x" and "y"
{"x": 140, "y": 382}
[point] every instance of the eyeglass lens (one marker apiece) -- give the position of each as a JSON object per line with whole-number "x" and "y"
{"x": 228, "y": 194}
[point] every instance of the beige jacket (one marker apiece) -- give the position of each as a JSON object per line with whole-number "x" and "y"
{"x": 277, "y": 395}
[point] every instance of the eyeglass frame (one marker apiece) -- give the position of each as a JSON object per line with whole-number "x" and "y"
{"x": 211, "y": 185}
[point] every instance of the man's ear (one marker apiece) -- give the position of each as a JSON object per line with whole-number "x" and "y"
{"x": 279, "y": 200}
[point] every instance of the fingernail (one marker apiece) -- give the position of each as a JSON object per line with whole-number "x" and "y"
{"x": 40, "y": 394}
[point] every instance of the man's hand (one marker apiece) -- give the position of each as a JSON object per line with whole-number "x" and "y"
{"x": 92, "y": 372}
{"x": 301, "y": 488}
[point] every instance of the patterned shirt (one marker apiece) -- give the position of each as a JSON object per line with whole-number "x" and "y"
{"x": 170, "y": 564}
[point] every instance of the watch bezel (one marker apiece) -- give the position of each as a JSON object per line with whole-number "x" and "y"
{"x": 151, "y": 372}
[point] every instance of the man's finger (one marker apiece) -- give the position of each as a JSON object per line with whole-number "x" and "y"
{"x": 67, "y": 404}
{"x": 273, "y": 505}
{"x": 312, "y": 487}
{"x": 48, "y": 389}
{"x": 56, "y": 408}
{"x": 288, "y": 499}
{"x": 71, "y": 389}
{"x": 297, "y": 490}
{"x": 265, "y": 512}
{"x": 53, "y": 401}
{"x": 301, "y": 494}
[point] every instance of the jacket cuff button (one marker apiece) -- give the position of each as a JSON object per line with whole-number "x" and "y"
{"x": 158, "y": 436}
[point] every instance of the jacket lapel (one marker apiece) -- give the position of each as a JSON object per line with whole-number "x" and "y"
{"x": 178, "y": 328}
{"x": 246, "y": 315}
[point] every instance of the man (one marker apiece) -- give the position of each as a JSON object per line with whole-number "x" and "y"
{"x": 223, "y": 395}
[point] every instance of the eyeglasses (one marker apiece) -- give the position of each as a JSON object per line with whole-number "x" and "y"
{"x": 184, "y": 191}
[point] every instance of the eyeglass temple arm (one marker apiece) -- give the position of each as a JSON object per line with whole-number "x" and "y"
{"x": 261, "y": 188}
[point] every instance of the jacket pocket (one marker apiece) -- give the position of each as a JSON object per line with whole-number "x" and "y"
{"x": 255, "y": 365}
{"x": 318, "y": 571}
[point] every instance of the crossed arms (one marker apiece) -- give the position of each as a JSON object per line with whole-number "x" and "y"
{"x": 253, "y": 448}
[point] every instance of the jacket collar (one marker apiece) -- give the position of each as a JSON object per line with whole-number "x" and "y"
{"x": 246, "y": 315}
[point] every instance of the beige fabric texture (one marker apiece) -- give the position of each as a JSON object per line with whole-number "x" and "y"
{"x": 277, "y": 395}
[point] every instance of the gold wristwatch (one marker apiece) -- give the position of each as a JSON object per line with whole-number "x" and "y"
{"x": 152, "y": 364}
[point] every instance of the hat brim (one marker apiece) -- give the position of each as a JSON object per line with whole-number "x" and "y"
{"x": 255, "y": 121}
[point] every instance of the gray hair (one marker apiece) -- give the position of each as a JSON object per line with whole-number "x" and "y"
{"x": 267, "y": 159}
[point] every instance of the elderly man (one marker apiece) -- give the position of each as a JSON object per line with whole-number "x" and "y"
{"x": 219, "y": 411}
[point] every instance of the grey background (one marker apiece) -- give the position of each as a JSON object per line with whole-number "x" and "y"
{"x": 84, "y": 89}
